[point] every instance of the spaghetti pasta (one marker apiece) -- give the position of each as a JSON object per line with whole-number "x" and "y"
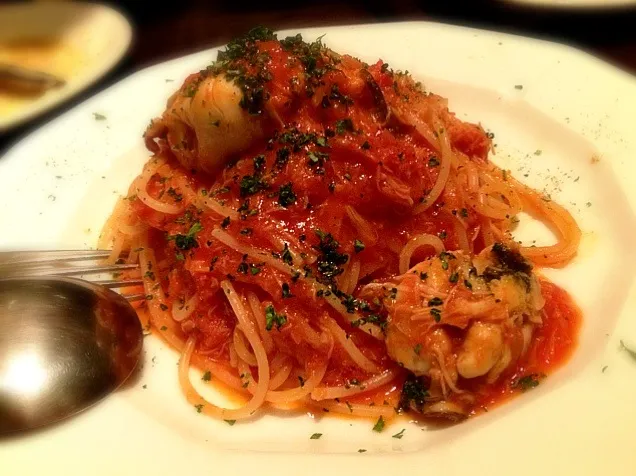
{"x": 332, "y": 236}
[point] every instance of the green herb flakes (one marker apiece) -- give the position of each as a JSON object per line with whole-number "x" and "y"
{"x": 379, "y": 425}
{"x": 273, "y": 319}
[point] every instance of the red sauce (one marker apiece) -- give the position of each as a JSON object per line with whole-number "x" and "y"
{"x": 381, "y": 173}
{"x": 552, "y": 345}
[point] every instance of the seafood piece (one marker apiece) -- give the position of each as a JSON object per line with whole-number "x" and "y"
{"x": 452, "y": 317}
{"x": 204, "y": 123}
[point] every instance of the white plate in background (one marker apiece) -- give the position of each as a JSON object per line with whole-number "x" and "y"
{"x": 561, "y": 117}
{"x": 90, "y": 39}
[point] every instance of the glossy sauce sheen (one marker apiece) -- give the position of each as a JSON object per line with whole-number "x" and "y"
{"x": 349, "y": 170}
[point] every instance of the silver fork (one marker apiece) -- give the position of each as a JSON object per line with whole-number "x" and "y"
{"x": 85, "y": 264}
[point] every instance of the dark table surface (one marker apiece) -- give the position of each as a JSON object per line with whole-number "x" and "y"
{"x": 178, "y": 28}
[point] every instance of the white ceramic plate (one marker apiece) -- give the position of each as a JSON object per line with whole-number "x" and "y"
{"x": 89, "y": 40}
{"x": 576, "y": 4}
{"x": 561, "y": 117}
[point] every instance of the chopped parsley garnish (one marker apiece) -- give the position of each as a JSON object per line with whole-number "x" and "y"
{"x": 230, "y": 422}
{"x": 519, "y": 86}
{"x": 297, "y": 140}
{"x": 191, "y": 89}
{"x": 312, "y": 56}
{"x": 246, "y": 231}
{"x": 423, "y": 276}
{"x": 177, "y": 197}
{"x": 98, "y": 116}
{"x": 245, "y": 206}
{"x": 371, "y": 319}
{"x": 317, "y": 161}
{"x": 286, "y": 293}
{"x": 164, "y": 328}
{"x": 329, "y": 261}
{"x": 286, "y": 255}
{"x": 463, "y": 213}
{"x": 187, "y": 241}
{"x": 417, "y": 349}
{"x": 213, "y": 262}
{"x": 254, "y": 270}
{"x": 436, "y": 301}
{"x": 454, "y": 277}
{"x": 207, "y": 376}
{"x": 436, "y": 314}
{"x": 414, "y": 394}
{"x": 365, "y": 145}
{"x": 251, "y": 184}
{"x": 468, "y": 284}
{"x": 301, "y": 381}
{"x": 259, "y": 164}
{"x": 163, "y": 308}
{"x": 232, "y": 63}
{"x": 272, "y": 318}
{"x": 321, "y": 141}
{"x": 337, "y": 96}
{"x": 379, "y": 425}
{"x": 315, "y": 436}
{"x": 433, "y": 162}
{"x": 199, "y": 407}
{"x": 286, "y": 196}
{"x": 344, "y": 125}
{"x": 282, "y": 157}
{"x": 242, "y": 268}
{"x": 226, "y": 222}
{"x": 362, "y": 450}
{"x": 358, "y": 246}
{"x": 400, "y": 434}
{"x": 527, "y": 382}
{"x": 444, "y": 257}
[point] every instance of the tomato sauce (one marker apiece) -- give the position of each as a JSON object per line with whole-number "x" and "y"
{"x": 552, "y": 345}
{"x": 338, "y": 156}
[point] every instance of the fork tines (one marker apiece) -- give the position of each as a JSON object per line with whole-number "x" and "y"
{"x": 70, "y": 263}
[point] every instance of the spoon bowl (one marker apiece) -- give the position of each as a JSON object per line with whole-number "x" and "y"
{"x": 64, "y": 345}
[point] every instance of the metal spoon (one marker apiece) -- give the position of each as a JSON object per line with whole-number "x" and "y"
{"x": 64, "y": 345}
